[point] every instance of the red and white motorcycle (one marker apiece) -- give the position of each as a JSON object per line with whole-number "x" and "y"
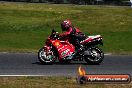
{"x": 55, "y": 48}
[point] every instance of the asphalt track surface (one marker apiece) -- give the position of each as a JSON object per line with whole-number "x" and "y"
{"x": 28, "y": 64}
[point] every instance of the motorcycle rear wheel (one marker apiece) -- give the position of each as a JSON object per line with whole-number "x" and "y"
{"x": 96, "y": 56}
{"x": 45, "y": 59}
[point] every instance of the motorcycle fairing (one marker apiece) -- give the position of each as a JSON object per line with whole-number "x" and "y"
{"x": 64, "y": 48}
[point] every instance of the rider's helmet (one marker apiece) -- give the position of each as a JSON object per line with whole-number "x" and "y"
{"x": 65, "y": 25}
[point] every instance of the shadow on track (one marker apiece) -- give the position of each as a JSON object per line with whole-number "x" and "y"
{"x": 62, "y": 63}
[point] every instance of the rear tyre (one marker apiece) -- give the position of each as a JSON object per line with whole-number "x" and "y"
{"x": 96, "y": 56}
{"x": 46, "y": 57}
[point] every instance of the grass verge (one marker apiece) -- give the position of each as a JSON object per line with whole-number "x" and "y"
{"x": 25, "y": 26}
{"x": 51, "y": 82}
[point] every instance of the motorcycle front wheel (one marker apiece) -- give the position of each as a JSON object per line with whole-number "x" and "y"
{"x": 95, "y": 56}
{"x": 46, "y": 57}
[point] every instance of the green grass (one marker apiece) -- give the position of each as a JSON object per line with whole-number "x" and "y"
{"x": 51, "y": 82}
{"x": 24, "y": 26}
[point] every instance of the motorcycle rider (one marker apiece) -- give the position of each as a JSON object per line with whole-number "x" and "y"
{"x": 72, "y": 34}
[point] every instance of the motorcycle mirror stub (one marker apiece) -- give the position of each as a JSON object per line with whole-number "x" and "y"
{"x": 53, "y": 31}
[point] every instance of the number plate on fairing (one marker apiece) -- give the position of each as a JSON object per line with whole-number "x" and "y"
{"x": 65, "y": 51}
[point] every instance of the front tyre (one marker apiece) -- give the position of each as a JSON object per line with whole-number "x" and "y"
{"x": 46, "y": 57}
{"x": 95, "y": 56}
